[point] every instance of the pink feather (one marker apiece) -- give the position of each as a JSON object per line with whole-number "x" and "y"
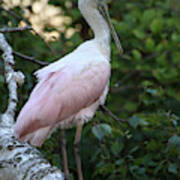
{"x": 60, "y": 95}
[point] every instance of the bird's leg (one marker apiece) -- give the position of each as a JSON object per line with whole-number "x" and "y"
{"x": 77, "y": 151}
{"x": 64, "y": 155}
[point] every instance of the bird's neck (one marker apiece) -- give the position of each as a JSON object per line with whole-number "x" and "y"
{"x": 99, "y": 26}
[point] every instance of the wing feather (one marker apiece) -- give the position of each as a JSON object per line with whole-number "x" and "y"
{"x": 60, "y": 94}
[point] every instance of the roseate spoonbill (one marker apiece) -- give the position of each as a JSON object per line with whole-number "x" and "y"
{"x": 69, "y": 91}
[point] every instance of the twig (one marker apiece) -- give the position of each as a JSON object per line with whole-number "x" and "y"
{"x": 12, "y": 13}
{"x": 28, "y": 58}
{"x": 110, "y": 113}
{"x": 47, "y": 44}
{"x": 15, "y": 29}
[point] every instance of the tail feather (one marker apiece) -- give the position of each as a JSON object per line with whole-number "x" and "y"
{"x": 36, "y": 138}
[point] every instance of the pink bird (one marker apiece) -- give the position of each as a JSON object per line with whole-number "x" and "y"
{"x": 70, "y": 90}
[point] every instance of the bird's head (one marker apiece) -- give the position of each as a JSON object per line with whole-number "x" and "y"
{"x": 101, "y": 5}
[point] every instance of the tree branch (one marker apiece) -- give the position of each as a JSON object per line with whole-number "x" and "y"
{"x": 15, "y": 15}
{"x": 31, "y": 59}
{"x": 12, "y": 78}
{"x": 110, "y": 113}
{"x": 47, "y": 44}
{"x": 15, "y": 29}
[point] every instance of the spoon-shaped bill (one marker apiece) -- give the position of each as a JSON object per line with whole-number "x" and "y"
{"x": 104, "y": 10}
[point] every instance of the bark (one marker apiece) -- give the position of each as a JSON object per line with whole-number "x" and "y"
{"x": 18, "y": 160}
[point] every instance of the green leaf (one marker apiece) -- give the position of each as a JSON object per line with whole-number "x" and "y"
{"x": 147, "y": 83}
{"x": 119, "y": 162}
{"x": 156, "y": 26}
{"x": 175, "y": 37}
{"x": 101, "y": 130}
{"x": 117, "y": 147}
{"x": 173, "y": 168}
{"x": 150, "y": 44}
{"x": 134, "y": 121}
{"x": 151, "y": 91}
{"x": 136, "y": 54}
{"x": 134, "y": 149}
{"x": 175, "y": 140}
{"x": 139, "y": 34}
{"x": 148, "y": 15}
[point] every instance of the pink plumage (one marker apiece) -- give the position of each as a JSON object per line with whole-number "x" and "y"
{"x": 68, "y": 93}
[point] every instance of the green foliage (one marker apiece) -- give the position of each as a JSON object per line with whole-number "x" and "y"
{"x": 101, "y": 130}
{"x": 144, "y": 91}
